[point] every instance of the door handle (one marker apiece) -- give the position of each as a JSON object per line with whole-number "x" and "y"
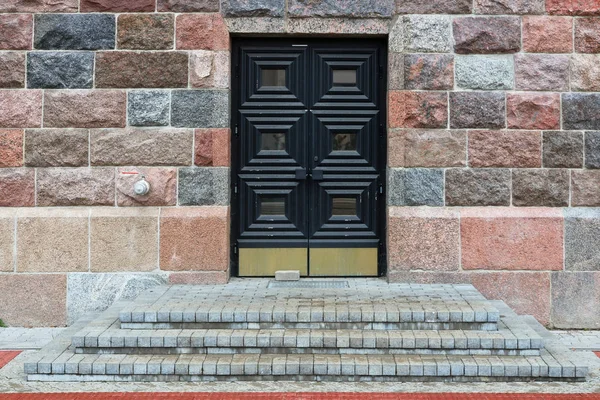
{"x": 317, "y": 175}
{"x": 300, "y": 174}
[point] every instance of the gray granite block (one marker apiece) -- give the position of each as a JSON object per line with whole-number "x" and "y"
{"x": 341, "y": 8}
{"x": 203, "y": 186}
{"x": 485, "y": 72}
{"x": 427, "y": 33}
{"x": 200, "y": 108}
{"x": 416, "y": 187}
{"x": 576, "y": 300}
{"x": 60, "y": 70}
{"x": 74, "y": 31}
{"x": 582, "y": 239}
{"x": 148, "y": 108}
{"x": 592, "y": 150}
{"x": 581, "y": 111}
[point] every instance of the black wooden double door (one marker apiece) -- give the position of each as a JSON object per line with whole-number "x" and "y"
{"x": 308, "y": 156}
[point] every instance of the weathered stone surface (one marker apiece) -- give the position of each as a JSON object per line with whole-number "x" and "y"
{"x": 209, "y": 69}
{"x": 340, "y": 8}
{"x": 76, "y": 187}
{"x": 60, "y": 70}
{"x": 518, "y": 7}
{"x": 587, "y": 35}
{"x": 11, "y": 148}
{"x": 592, "y": 150}
{"x": 160, "y": 146}
{"x": 582, "y": 239}
{"x": 540, "y": 187}
{"x": 7, "y": 240}
{"x": 20, "y": 108}
{"x": 427, "y": 148}
{"x": 508, "y": 149}
{"x": 52, "y": 240}
{"x": 573, "y": 7}
{"x": 427, "y": 33}
{"x": 396, "y": 67}
{"x": 262, "y": 25}
{"x": 511, "y": 238}
{"x": 204, "y": 186}
{"x": 93, "y": 293}
{"x": 17, "y": 186}
{"x": 149, "y": 107}
{"x": 585, "y": 72}
{"x": 124, "y": 69}
{"x": 200, "y": 108}
{"x": 183, "y": 6}
{"x": 562, "y": 149}
{"x": 56, "y": 147}
{"x": 423, "y": 239}
{"x": 418, "y": 109}
{"x": 199, "y": 278}
{"x": 541, "y": 72}
{"x": 485, "y": 72}
{"x": 533, "y": 111}
{"x": 429, "y": 71}
{"x": 12, "y": 70}
{"x": 16, "y": 31}
{"x": 434, "y": 7}
{"x": 487, "y": 35}
{"x": 212, "y": 147}
{"x": 477, "y": 110}
{"x": 84, "y": 108}
{"x": 37, "y": 6}
{"x": 329, "y": 26}
{"x": 111, "y": 228}
{"x": 416, "y": 187}
{"x": 478, "y": 187}
{"x": 576, "y": 300}
{"x": 163, "y": 186}
{"x": 581, "y": 111}
{"x": 117, "y": 6}
{"x": 74, "y": 31}
{"x": 585, "y": 188}
{"x": 544, "y": 34}
{"x": 194, "y": 239}
{"x": 145, "y": 31}
{"x": 253, "y": 8}
{"x": 47, "y": 308}
{"x": 202, "y": 32}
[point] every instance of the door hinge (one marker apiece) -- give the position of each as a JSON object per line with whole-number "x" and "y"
{"x": 237, "y": 70}
{"x": 380, "y": 188}
{"x": 236, "y": 131}
{"x": 235, "y": 249}
{"x": 235, "y": 188}
{"x": 381, "y": 72}
{"x": 381, "y": 130}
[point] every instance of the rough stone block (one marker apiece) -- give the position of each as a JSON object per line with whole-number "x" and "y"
{"x": 487, "y": 35}
{"x": 581, "y": 111}
{"x": 418, "y": 109}
{"x": 7, "y": 240}
{"x": 477, "y": 110}
{"x": 508, "y": 149}
{"x": 145, "y": 31}
{"x": 85, "y": 108}
{"x": 194, "y": 239}
{"x": 60, "y": 70}
{"x": 582, "y": 239}
{"x": 427, "y": 33}
{"x": 544, "y": 34}
{"x": 253, "y": 8}
{"x": 202, "y": 32}
{"x": 562, "y": 149}
{"x": 117, "y": 6}
{"x": 74, "y": 31}
{"x": 329, "y": 26}
{"x": 478, "y": 187}
{"x": 199, "y": 278}
{"x": 344, "y": 8}
{"x": 212, "y": 147}
{"x": 576, "y": 300}
{"x": 209, "y": 69}
{"x": 204, "y": 186}
{"x": 573, "y": 7}
{"x": 156, "y": 146}
{"x": 148, "y": 107}
{"x": 434, "y": 7}
{"x": 184, "y": 6}
{"x": 587, "y": 35}
{"x": 93, "y": 293}
{"x": 125, "y": 69}
{"x": 47, "y": 307}
{"x": 37, "y": 6}
{"x": 12, "y": 70}
{"x": 522, "y": 291}
{"x": 20, "y": 108}
{"x": 200, "y": 108}
{"x": 533, "y": 111}
{"x": 518, "y": 7}
{"x": 16, "y": 31}
{"x": 287, "y": 275}
{"x": 541, "y": 72}
{"x": 485, "y": 72}
{"x": 76, "y": 187}
{"x": 427, "y": 148}
{"x": 429, "y": 71}
{"x": 540, "y": 187}
{"x": 416, "y": 187}
{"x": 52, "y": 240}
{"x": 592, "y": 150}
{"x": 56, "y": 147}
{"x": 585, "y": 188}
{"x": 17, "y": 186}
{"x": 123, "y": 239}
{"x": 163, "y": 186}
{"x": 264, "y": 24}
{"x": 11, "y": 148}
{"x": 423, "y": 239}
{"x": 396, "y": 67}
{"x": 585, "y": 72}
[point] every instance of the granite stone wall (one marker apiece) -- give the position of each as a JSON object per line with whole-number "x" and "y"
{"x": 493, "y": 146}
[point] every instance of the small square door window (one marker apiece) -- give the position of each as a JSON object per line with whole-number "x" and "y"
{"x": 343, "y": 206}
{"x": 344, "y": 77}
{"x": 272, "y": 141}
{"x": 273, "y": 77}
{"x": 344, "y": 142}
{"x": 272, "y": 206}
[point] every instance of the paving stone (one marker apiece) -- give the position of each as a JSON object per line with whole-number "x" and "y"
{"x": 585, "y": 72}
{"x": 200, "y": 108}
{"x": 427, "y": 33}
{"x": 428, "y": 72}
{"x": 84, "y": 108}
{"x": 184, "y": 6}
{"x": 201, "y": 32}
{"x": 592, "y": 150}
{"x": 416, "y": 187}
{"x": 56, "y": 147}
{"x": 582, "y": 252}
{"x": 587, "y": 35}
{"x": 145, "y": 31}
{"x": 487, "y": 35}
{"x": 76, "y": 187}
{"x": 60, "y": 70}
{"x": 477, "y": 187}
{"x": 117, "y": 6}
{"x": 253, "y": 8}
{"x": 540, "y": 187}
{"x": 21, "y": 109}
{"x": 510, "y": 149}
{"x": 332, "y": 8}
{"x": 148, "y": 107}
{"x": 426, "y": 148}
{"x": 585, "y": 188}
{"x": 581, "y": 111}
{"x": 418, "y": 109}
{"x": 546, "y": 34}
{"x": 74, "y": 31}
{"x": 533, "y": 111}
{"x": 477, "y": 110}
{"x": 16, "y": 31}
{"x": 510, "y": 7}
{"x": 12, "y": 70}
{"x": 567, "y": 301}
{"x": 485, "y": 72}
{"x": 437, "y": 7}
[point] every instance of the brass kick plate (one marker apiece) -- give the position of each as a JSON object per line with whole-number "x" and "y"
{"x": 343, "y": 262}
{"x": 264, "y": 262}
